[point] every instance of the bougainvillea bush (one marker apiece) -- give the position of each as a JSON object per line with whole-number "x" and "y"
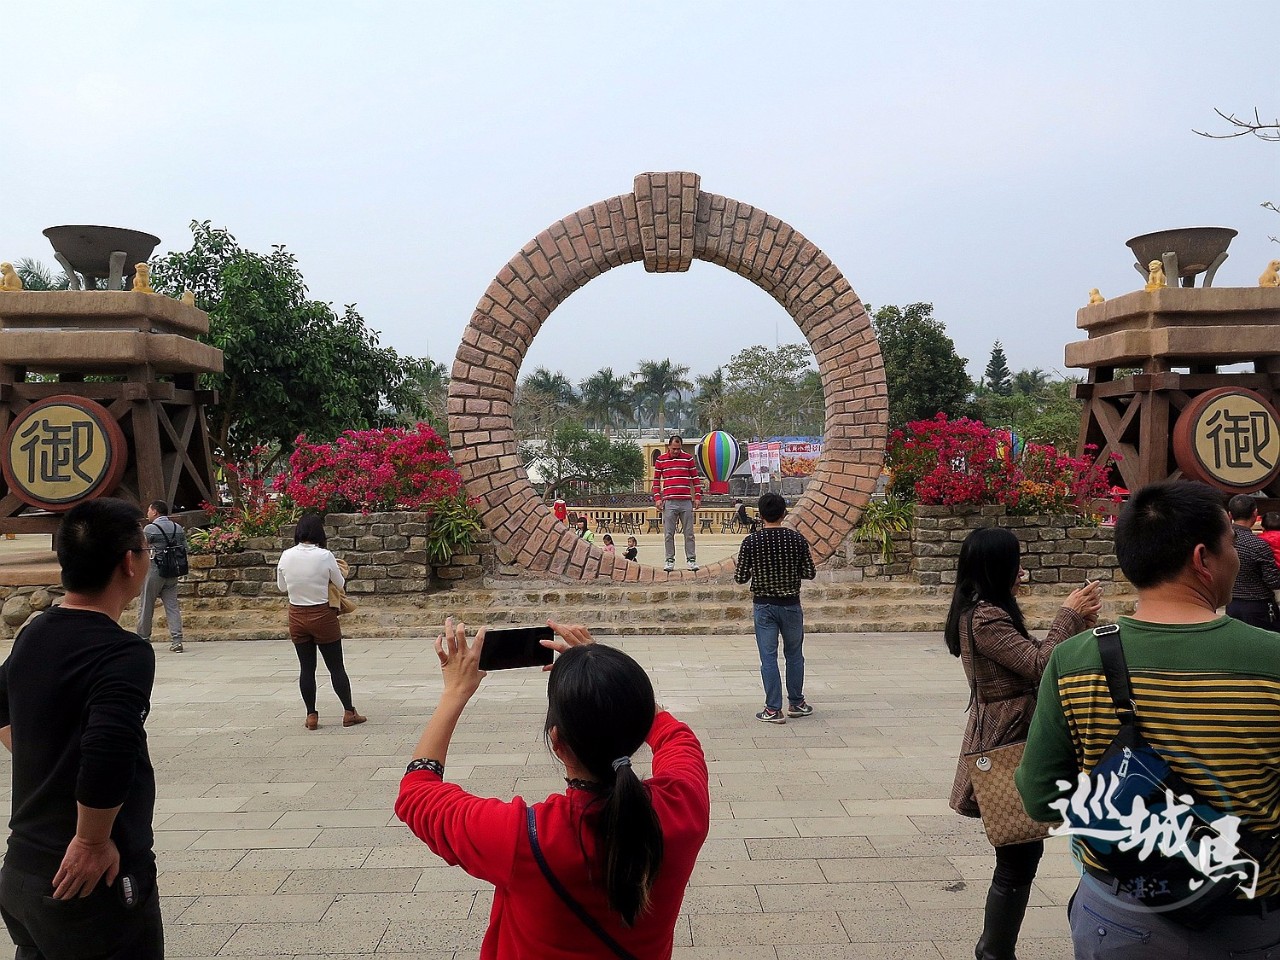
{"x": 366, "y": 470}
{"x": 965, "y": 462}
{"x": 360, "y": 472}
{"x": 253, "y": 510}
{"x": 385, "y": 469}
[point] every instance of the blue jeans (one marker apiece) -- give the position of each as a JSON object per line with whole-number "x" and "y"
{"x": 770, "y": 621}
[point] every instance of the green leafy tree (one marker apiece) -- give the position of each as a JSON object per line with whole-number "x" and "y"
{"x": 997, "y": 378}
{"x": 655, "y": 381}
{"x": 925, "y": 374}
{"x": 292, "y": 365}
{"x": 1048, "y": 414}
{"x": 606, "y": 399}
{"x": 574, "y": 455}
{"x": 771, "y": 392}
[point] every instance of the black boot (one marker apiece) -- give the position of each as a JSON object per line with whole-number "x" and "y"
{"x": 1006, "y": 907}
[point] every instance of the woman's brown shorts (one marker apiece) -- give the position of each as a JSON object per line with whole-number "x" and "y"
{"x": 314, "y": 624}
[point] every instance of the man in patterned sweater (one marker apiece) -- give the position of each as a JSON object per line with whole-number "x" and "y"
{"x": 775, "y": 559}
{"x": 1253, "y": 598}
{"x": 677, "y": 492}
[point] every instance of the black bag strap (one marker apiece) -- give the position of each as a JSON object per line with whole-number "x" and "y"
{"x": 578, "y": 909}
{"x": 168, "y": 541}
{"x": 1116, "y": 670}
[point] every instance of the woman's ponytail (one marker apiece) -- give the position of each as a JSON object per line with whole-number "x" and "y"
{"x": 630, "y": 841}
{"x": 600, "y": 703}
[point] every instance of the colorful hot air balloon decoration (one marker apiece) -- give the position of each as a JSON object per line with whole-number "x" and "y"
{"x": 718, "y": 455}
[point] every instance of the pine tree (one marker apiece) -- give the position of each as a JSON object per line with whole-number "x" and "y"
{"x": 998, "y": 379}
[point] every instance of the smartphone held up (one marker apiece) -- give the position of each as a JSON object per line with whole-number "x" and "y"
{"x": 507, "y": 648}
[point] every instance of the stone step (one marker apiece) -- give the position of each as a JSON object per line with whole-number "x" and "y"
{"x": 676, "y": 610}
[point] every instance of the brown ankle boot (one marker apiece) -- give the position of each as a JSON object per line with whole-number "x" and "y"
{"x": 312, "y": 721}
{"x": 350, "y": 718}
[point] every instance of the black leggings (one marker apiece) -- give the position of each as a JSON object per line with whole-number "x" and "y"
{"x": 332, "y": 653}
{"x": 1016, "y": 864}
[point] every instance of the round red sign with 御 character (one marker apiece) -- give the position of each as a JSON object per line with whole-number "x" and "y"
{"x": 62, "y": 450}
{"x": 1229, "y": 438}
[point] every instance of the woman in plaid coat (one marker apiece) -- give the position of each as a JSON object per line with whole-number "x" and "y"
{"x": 1003, "y": 663}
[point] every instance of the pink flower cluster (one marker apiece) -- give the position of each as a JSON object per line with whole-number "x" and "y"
{"x": 367, "y": 470}
{"x": 955, "y": 462}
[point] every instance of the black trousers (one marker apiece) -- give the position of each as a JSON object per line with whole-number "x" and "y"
{"x": 96, "y": 927}
{"x": 1016, "y": 864}
{"x": 332, "y": 653}
{"x": 1256, "y": 613}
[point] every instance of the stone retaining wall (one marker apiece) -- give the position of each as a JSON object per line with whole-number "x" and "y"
{"x": 1054, "y": 549}
{"x": 386, "y": 554}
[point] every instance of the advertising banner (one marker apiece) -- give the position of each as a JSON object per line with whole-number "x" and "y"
{"x": 799, "y": 456}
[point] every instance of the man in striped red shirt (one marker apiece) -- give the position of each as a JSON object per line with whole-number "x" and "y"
{"x": 677, "y": 492}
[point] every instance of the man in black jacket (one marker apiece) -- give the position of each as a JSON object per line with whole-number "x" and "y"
{"x": 79, "y": 876}
{"x": 1253, "y": 598}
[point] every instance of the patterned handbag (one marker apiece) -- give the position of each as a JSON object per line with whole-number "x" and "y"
{"x": 1003, "y": 817}
{"x": 991, "y": 773}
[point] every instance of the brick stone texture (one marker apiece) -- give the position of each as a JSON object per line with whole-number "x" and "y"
{"x": 1054, "y": 549}
{"x": 665, "y": 223}
{"x": 386, "y": 554}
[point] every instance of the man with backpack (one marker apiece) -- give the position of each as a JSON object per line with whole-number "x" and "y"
{"x": 1174, "y": 702}
{"x": 168, "y": 544}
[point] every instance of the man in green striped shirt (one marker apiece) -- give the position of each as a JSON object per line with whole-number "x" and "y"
{"x": 1207, "y": 695}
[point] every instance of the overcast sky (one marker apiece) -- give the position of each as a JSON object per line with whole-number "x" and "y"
{"x": 990, "y": 158}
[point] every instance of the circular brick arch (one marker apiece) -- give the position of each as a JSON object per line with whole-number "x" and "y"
{"x": 666, "y": 223}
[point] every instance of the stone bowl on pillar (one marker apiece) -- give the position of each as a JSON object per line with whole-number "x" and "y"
{"x": 88, "y": 250}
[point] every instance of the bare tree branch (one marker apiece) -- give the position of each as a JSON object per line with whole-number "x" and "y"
{"x": 1259, "y": 128}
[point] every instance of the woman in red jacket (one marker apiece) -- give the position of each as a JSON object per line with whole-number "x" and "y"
{"x": 599, "y": 870}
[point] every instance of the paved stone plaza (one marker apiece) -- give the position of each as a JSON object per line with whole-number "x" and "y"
{"x": 830, "y": 836}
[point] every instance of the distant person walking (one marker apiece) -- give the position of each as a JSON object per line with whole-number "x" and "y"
{"x": 1253, "y": 598}
{"x": 166, "y": 540}
{"x": 775, "y": 559}
{"x": 305, "y": 571}
{"x": 677, "y": 492}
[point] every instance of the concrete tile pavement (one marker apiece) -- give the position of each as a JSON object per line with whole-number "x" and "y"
{"x": 830, "y": 838}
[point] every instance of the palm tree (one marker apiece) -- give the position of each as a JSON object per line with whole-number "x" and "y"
{"x": 542, "y": 400}
{"x": 606, "y": 398}
{"x": 431, "y": 380}
{"x": 656, "y": 380}
{"x": 1030, "y": 382}
{"x": 709, "y": 403}
{"x": 36, "y": 276}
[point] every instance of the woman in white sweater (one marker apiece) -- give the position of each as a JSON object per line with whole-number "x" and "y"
{"x": 305, "y": 571}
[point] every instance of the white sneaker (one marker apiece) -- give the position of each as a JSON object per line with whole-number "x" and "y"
{"x": 693, "y": 564}
{"x": 669, "y": 566}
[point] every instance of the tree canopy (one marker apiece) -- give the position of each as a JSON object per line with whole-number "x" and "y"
{"x": 772, "y": 392}
{"x": 572, "y": 454}
{"x": 292, "y": 364}
{"x": 925, "y": 374}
